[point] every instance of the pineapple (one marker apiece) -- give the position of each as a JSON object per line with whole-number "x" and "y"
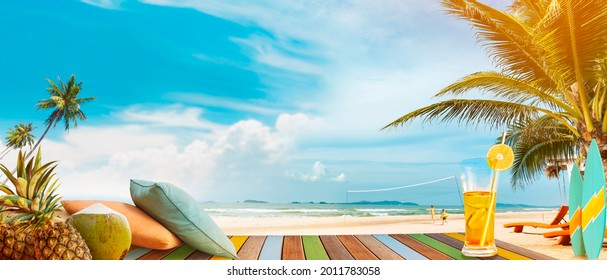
{"x": 32, "y": 230}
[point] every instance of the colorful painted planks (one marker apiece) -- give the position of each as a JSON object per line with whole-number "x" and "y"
{"x": 437, "y": 246}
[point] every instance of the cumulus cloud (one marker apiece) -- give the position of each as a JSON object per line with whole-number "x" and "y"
{"x": 341, "y": 178}
{"x": 373, "y": 61}
{"x": 98, "y": 162}
{"x": 318, "y": 173}
{"x": 299, "y": 125}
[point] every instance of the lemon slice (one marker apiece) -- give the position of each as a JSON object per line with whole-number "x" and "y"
{"x": 500, "y": 157}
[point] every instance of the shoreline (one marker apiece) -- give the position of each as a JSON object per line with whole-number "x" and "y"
{"x": 531, "y": 238}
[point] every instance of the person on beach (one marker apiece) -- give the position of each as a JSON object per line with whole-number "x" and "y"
{"x": 444, "y": 216}
{"x": 432, "y": 213}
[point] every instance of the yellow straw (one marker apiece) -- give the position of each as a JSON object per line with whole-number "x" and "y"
{"x": 492, "y": 200}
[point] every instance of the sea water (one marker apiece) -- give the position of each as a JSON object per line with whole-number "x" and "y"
{"x": 340, "y": 209}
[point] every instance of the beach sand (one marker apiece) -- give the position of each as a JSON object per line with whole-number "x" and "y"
{"x": 531, "y": 238}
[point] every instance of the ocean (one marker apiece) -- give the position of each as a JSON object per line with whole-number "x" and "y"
{"x": 267, "y": 210}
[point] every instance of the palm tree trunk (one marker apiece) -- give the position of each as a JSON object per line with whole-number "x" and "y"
{"x": 29, "y": 154}
{"x": 5, "y": 152}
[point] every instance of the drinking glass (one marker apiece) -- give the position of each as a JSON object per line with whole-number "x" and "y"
{"x": 479, "y": 184}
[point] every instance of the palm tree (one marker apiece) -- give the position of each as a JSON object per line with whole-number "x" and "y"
{"x": 554, "y": 169}
{"x": 550, "y": 85}
{"x": 18, "y": 137}
{"x": 65, "y": 103}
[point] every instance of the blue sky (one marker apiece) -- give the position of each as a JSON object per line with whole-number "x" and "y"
{"x": 271, "y": 100}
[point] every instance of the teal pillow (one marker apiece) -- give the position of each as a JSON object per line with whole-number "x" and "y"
{"x": 181, "y": 214}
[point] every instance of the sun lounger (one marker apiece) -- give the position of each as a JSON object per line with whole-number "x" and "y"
{"x": 563, "y": 235}
{"x": 432, "y": 246}
{"x": 557, "y": 222}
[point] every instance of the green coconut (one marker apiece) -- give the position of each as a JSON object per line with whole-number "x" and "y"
{"x": 106, "y": 232}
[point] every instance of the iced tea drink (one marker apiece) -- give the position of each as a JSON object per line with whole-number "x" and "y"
{"x": 476, "y": 212}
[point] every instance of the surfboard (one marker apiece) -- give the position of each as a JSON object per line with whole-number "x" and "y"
{"x": 593, "y": 201}
{"x": 575, "y": 211}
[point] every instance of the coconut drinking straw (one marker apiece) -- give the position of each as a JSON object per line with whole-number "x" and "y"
{"x": 492, "y": 200}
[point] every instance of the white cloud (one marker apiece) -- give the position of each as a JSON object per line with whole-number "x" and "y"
{"x": 373, "y": 60}
{"x": 299, "y": 126}
{"x": 167, "y": 116}
{"x": 98, "y": 162}
{"x": 341, "y": 178}
{"x": 318, "y": 173}
{"x": 106, "y": 4}
{"x": 225, "y": 103}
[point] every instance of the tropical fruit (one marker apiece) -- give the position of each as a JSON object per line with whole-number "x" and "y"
{"x": 30, "y": 229}
{"x": 500, "y": 157}
{"x": 106, "y": 232}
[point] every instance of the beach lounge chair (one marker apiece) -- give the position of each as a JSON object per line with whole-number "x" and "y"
{"x": 558, "y": 222}
{"x": 563, "y": 235}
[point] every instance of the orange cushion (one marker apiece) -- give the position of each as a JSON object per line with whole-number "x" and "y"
{"x": 146, "y": 231}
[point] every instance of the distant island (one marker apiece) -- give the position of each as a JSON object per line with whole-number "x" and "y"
{"x": 384, "y": 202}
{"x": 254, "y": 201}
{"x": 520, "y": 205}
{"x": 364, "y": 202}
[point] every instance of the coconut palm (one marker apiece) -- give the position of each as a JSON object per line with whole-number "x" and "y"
{"x": 549, "y": 85}
{"x": 554, "y": 169}
{"x": 65, "y": 103}
{"x": 18, "y": 137}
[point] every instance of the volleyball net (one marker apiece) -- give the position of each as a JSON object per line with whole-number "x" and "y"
{"x": 411, "y": 193}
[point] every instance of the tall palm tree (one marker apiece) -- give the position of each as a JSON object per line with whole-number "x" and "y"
{"x": 65, "y": 103}
{"x": 550, "y": 84}
{"x": 18, "y": 137}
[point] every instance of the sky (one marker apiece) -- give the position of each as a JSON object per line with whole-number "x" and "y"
{"x": 278, "y": 101}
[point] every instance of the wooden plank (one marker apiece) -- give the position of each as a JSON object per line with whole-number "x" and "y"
{"x": 422, "y": 248}
{"x": 199, "y": 255}
{"x": 272, "y": 248}
{"x": 251, "y": 248}
{"x": 292, "y": 248}
{"x": 157, "y": 254}
{"x": 507, "y": 254}
{"x": 313, "y": 248}
{"x": 444, "y": 248}
{"x": 238, "y": 241}
{"x": 377, "y": 248}
{"x": 457, "y": 244}
{"x": 400, "y": 248}
{"x": 136, "y": 252}
{"x": 522, "y": 251}
{"x": 356, "y": 248}
{"x": 335, "y": 249}
{"x": 180, "y": 253}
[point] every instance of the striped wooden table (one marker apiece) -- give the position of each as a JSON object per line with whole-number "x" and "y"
{"x": 430, "y": 246}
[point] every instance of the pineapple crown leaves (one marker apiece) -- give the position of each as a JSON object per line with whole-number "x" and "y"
{"x": 34, "y": 190}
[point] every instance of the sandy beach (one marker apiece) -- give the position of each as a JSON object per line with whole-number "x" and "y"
{"x": 531, "y": 238}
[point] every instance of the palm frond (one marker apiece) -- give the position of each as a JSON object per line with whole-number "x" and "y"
{"x": 529, "y": 11}
{"x": 574, "y": 34}
{"x": 507, "y": 87}
{"x": 538, "y": 141}
{"x": 494, "y": 113}
{"x": 508, "y": 41}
